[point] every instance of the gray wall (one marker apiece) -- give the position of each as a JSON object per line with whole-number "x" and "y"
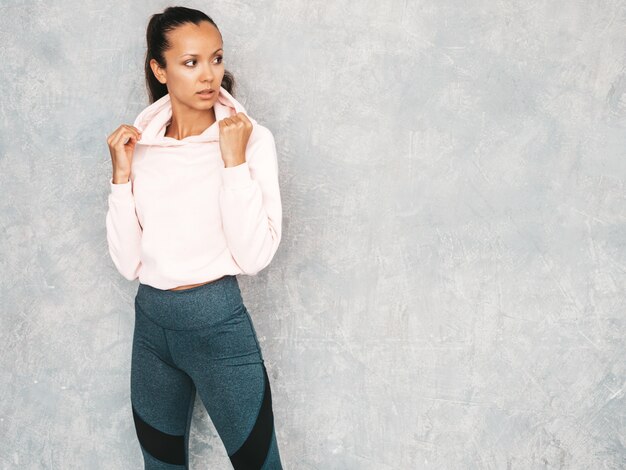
{"x": 450, "y": 288}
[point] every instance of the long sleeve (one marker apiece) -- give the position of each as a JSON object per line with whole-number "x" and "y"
{"x": 123, "y": 230}
{"x": 251, "y": 205}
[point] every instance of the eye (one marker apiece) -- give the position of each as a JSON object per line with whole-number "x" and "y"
{"x": 219, "y": 58}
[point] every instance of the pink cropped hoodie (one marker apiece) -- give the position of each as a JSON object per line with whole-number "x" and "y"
{"x": 183, "y": 217}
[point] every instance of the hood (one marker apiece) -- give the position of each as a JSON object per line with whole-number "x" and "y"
{"x": 153, "y": 121}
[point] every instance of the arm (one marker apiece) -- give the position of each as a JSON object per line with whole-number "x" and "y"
{"x": 123, "y": 230}
{"x": 251, "y": 206}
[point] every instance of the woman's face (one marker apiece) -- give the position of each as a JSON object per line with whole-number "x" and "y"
{"x": 193, "y": 63}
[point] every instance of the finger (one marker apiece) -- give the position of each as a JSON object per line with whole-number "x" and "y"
{"x": 134, "y": 130}
{"x": 123, "y": 137}
{"x": 117, "y": 137}
{"x": 245, "y": 120}
{"x": 242, "y": 116}
{"x": 119, "y": 134}
{"x": 121, "y": 140}
{"x": 130, "y": 139}
{"x": 238, "y": 121}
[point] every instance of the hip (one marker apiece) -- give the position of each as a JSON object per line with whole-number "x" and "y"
{"x": 195, "y": 307}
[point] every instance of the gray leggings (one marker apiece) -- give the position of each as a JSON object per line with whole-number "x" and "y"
{"x": 200, "y": 339}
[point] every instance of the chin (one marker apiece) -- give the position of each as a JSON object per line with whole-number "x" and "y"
{"x": 206, "y": 103}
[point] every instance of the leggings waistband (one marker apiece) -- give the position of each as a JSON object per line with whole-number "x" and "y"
{"x": 192, "y": 308}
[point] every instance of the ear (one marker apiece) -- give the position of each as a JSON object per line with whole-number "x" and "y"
{"x": 158, "y": 72}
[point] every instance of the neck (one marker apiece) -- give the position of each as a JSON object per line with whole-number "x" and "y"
{"x": 188, "y": 121}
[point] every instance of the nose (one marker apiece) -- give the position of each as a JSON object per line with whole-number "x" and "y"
{"x": 207, "y": 73}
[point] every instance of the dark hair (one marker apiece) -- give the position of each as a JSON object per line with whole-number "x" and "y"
{"x": 158, "y": 26}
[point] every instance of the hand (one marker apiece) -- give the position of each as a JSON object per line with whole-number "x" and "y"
{"x": 121, "y": 147}
{"x": 234, "y": 135}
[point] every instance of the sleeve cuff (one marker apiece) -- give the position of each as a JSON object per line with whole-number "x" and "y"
{"x": 236, "y": 177}
{"x": 121, "y": 191}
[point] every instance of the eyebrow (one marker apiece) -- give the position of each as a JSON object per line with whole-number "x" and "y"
{"x": 196, "y": 55}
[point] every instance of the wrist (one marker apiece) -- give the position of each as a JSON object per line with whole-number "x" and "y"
{"x": 120, "y": 178}
{"x": 235, "y": 160}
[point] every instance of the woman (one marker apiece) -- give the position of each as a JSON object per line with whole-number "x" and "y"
{"x": 194, "y": 201}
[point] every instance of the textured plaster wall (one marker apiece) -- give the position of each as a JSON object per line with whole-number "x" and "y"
{"x": 450, "y": 288}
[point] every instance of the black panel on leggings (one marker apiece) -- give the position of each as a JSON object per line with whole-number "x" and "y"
{"x": 252, "y": 453}
{"x": 168, "y": 448}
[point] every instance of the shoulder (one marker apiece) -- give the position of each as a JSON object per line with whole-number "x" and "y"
{"x": 260, "y": 133}
{"x": 261, "y": 140}
{"x": 261, "y": 149}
